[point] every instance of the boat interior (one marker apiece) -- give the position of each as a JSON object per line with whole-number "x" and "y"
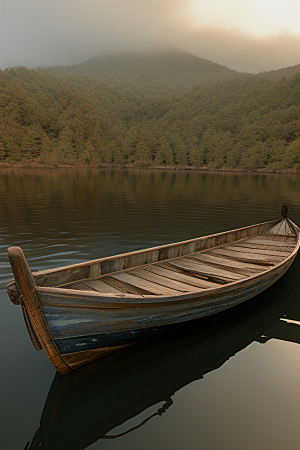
{"x": 197, "y": 271}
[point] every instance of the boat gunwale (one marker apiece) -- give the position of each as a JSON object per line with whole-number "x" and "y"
{"x": 29, "y": 290}
{"x": 164, "y": 298}
{"x": 38, "y": 273}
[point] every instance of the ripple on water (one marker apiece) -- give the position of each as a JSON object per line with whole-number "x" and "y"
{"x": 64, "y": 217}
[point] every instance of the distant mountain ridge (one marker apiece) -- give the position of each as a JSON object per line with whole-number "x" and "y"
{"x": 161, "y": 72}
{"x": 276, "y": 75}
{"x": 155, "y": 72}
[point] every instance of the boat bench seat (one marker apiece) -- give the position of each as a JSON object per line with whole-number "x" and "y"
{"x": 198, "y": 271}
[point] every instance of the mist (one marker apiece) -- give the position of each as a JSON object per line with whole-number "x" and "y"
{"x": 63, "y": 32}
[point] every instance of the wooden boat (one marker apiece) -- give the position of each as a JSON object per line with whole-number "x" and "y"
{"x": 88, "y": 404}
{"x": 84, "y": 311}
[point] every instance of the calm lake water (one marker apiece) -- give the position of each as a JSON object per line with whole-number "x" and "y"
{"x": 227, "y": 382}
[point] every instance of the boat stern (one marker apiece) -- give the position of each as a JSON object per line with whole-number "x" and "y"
{"x": 22, "y": 292}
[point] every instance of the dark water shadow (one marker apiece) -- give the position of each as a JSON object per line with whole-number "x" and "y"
{"x": 88, "y": 404}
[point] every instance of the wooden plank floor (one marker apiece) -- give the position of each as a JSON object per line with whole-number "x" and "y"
{"x": 198, "y": 271}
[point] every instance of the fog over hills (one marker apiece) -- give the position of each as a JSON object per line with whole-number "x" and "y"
{"x": 245, "y": 35}
{"x": 155, "y": 71}
{"x": 160, "y": 72}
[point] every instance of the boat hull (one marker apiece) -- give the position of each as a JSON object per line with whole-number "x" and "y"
{"x": 95, "y": 399}
{"x": 136, "y": 321}
{"x": 82, "y": 312}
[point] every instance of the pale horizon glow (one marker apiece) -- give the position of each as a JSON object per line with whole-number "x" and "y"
{"x": 256, "y": 17}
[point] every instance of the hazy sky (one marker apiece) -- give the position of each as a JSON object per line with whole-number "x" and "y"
{"x": 247, "y": 35}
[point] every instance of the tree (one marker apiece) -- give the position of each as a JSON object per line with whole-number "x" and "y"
{"x": 118, "y": 144}
{"x": 166, "y": 151}
{"x": 179, "y": 150}
{"x": 108, "y": 153}
{"x": 254, "y": 157}
{"x": 234, "y": 155}
{"x": 196, "y": 156}
{"x": 2, "y": 151}
{"x": 276, "y": 150}
{"x": 223, "y": 142}
{"x": 129, "y": 146}
{"x": 142, "y": 155}
{"x": 34, "y": 142}
{"x": 67, "y": 151}
{"x": 291, "y": 157}
{"x": 87, "y": 156}
{"x": 206, "y": 146}
{"x": 158, "y": 159}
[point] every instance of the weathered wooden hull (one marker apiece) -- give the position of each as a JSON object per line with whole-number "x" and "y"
{"x": 130, "y": 325}
{"x": 204, "y": 276}
{"x": 89, "y": 403}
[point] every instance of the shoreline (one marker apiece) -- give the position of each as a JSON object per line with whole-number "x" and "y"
{"x": 33, "y": 165}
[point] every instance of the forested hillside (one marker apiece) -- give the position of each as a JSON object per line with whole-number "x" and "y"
{"x": 84, "y": 116}
{"x": 286, "y": 72}
{"x": 155, "y": 73}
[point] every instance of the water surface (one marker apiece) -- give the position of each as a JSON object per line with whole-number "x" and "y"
{"x": 227, "y": 382}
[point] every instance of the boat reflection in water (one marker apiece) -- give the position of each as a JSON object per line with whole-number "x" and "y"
{"x": 87, "y": 404}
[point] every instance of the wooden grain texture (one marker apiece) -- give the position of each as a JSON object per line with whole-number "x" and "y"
{"x": 272, "y": 241}
{"x": 144, "y": 284}
{"x": 125, "y": 287}
{"x": 295, "y": 229}
{"x": 190, "y": 280}
{"x": 259, "y": 246}
{"x": 33, "y": 336}
{"x": 76, "y": 272}
{"x": 81, "y": 312}
{"x": 80, "y": 285}
{"x": 97, "y": 326}
{"x": 128, "y": 331}
{"x": 13, "y": 293}
{"x": 227, "y": 264}
{"x": 66, "y": 297}
{"x": 68, "y": 322}
{"x": 238, "y": 264}
{"x": 192, "y": 271}
{"x": 132, "y": 330}
{"x": 78, "y": 359}
{"x": 203, "y": 269}
{"x": 241, "y": 248}
{"x": 161, "y": 280}
{"x": 277, "y": 238}
{"x": 282, "y": 228}
{"x": 247, "y": 257}
{"x": 101, "y": 286}
{"x": 26, "y": 287}
{"x": 88, "y": 299}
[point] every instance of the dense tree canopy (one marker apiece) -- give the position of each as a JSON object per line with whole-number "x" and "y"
{"x": 61, "y": 116}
